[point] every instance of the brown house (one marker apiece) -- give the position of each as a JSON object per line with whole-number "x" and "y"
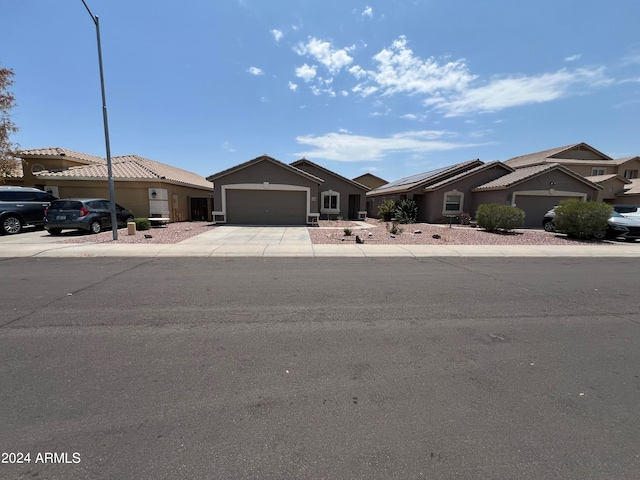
{"x": 370, "y": 180}
{"x": 338, "y": 196}
{"x": 535, "y": 190}
{"x": 265, "y": 191}
{"x": 590, "y": 163}
{"x": 415, "y": 187}
{"x": 146, "y": 187}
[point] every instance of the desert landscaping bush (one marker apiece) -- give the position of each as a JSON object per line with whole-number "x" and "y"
{"x": 387, "y": 210}
{"x": 494, "y": 217}
{"x": 142, "y": 224}
{"x": 407, "y": 211}
{"x": 582, "y": 219}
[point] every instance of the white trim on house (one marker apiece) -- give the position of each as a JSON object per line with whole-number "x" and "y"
{"x": 547, "y": 193}
{"x": 330, "y": 211}
{"x": 221, "y": 215}
{"x": 444, "y": 202}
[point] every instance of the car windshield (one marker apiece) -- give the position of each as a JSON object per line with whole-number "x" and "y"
{"x": 616, "y": 214}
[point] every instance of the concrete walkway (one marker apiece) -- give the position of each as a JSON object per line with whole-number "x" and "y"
{"x": 241, "y": 241}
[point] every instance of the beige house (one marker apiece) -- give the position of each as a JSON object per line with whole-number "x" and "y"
{"x": 589, "y": 163}
{"x": 146, "y": 187}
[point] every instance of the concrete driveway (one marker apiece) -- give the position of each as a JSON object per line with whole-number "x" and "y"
{"x": 29, "y": 235}
{"x": 252, "y": 235}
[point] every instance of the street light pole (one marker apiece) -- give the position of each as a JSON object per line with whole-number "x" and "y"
{"x": 112, "y": 194}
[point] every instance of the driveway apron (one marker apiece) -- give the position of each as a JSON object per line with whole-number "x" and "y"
{"x": 252, "y": 235}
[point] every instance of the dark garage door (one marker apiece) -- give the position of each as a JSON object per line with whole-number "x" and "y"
{"x": 535, "y": 207}
{"x": 266, "y": 207}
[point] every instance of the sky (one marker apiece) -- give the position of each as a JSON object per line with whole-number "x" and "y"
{"x": 391, "y": 88}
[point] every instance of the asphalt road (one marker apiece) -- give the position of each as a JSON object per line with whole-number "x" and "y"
{"x": 386, "y": 368}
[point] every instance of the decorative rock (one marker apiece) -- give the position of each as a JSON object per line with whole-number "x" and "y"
{"x": 393, "y": 236}
{"x": 370, "y": 234}
{"x": 436, "y": 236}
{"x": 418, "y": 231}
{"x": 358, "y": 239}
{"x": 146, "y": 235}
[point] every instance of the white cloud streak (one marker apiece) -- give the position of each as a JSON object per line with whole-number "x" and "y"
{"x": 277, "y": 34}
{"x": 368, "y": 12}
{"x": 573, "y": 58}
{"x": 255, "y": 71}
{"x": 356, "y": 148}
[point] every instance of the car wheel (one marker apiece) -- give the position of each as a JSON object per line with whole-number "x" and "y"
{"x": 55, "y": 231}
{"x": 600, "y": 235}
{"x": 11, "y": 225}
{"x": 548, "y": 226}
{"x": 95, "y": 227}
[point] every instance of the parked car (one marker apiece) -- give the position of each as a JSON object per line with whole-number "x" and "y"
{"x": 90, "y": 214}
{"x": 618, "y": 225}
{"x": 20, "y": 206}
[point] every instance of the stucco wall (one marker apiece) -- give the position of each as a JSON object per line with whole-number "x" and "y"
{"x": 265, "y": 171}
{"x": 132, "y": 195}
{"x": 336, "y": 184}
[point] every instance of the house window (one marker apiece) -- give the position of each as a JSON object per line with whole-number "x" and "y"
{"x": 598, "y": 171}
{"x": 629, "y": 174}
{"x": 453, "y": 202}
{"x": 330, "y": 202}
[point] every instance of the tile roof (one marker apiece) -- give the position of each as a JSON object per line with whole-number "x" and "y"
{"x": 621, "y": 161}
{"x": 633, "y": 188}
{"x": 259, "y": 159}
{"x": 62, "y": 152}
{"x": 522, "y": 174}
{"x": 424, "y": 179}
{"x": 604, "y": 178}
{"x": 302, "y": 161}
{"x": 131, "y": 167}
{"x": 546, "y": 156}
{"x": 370, "y": 175}
{"x": 477, "y": 169}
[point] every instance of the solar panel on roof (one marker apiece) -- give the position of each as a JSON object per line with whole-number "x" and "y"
{"x": 414, "y": 178}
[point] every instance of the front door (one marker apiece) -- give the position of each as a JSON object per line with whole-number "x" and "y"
{"x": 199, "y": 209}
{"x": 354, "y": 206}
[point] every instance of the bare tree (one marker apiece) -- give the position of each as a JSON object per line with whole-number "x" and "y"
{"x": 8, "y": 150}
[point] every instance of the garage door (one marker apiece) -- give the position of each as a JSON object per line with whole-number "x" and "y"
{"x": 535, "y": 207}
{"x": 266, "y": 207}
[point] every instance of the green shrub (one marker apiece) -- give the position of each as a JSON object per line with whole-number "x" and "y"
{"x": 387, "y": 210}
{"x": 582, "y": 219}
{"x": 494, "y": 217}
{"x": 407, "y": 211}
{"x": 347, "y": 232}
{"x": 142, "y": 223}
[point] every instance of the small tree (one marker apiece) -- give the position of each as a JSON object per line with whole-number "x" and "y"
{"x": 494, "y": 217}
{"x": 407, "y": 211}
{"x": 8, "y": 149}
{"x": 387, "y": 210}
{"x": 582, "y": 219}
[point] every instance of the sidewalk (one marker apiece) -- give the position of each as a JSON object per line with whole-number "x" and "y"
{"x": 201, "y": 249}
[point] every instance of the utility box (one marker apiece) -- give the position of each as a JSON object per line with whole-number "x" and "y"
{"x": 131, "y": 228}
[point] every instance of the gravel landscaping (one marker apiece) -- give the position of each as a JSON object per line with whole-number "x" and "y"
{"x": 377, "y": 234}
{"x": 332, "y": 232}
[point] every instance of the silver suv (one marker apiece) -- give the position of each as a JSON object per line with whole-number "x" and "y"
{"x": 20, "y": 206}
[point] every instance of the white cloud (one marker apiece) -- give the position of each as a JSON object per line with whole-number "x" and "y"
{"x": 516, "y": 91}
{"x": 255, "y": 71}
{"x": 413, "y": 116}
{"x": 346, "y": 147}
{"x": 228, "y": 147}
{"x": 364, "y": 91}
{"x": 277, "y": 34}
{"x": 293, "y": 86}
{"x": 573, "y": 58}
{"x": 368, "y": 12}
{"x": 306, "y": 72}
{"x": 399, "y": 71}
{"x": 323, "y": 52}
